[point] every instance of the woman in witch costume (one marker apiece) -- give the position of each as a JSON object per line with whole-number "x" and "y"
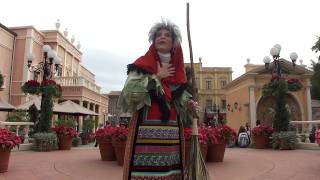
{"x": 155, "y": 92}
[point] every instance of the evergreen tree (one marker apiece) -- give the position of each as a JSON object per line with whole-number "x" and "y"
{"x": 34, "y": 117}
{"x": 315, "y": 81}
{"x": 46, "y": 112}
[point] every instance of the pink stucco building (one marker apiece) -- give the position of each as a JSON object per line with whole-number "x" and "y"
{"x": 78, "y": 83}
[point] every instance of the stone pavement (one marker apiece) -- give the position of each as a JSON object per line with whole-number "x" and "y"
{"x": 239, "y": 164}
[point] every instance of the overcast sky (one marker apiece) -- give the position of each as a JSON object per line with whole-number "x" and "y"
{"x": 224, "y": 33}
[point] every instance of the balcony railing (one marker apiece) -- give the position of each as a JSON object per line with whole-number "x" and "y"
{"x": 77, "y": 81}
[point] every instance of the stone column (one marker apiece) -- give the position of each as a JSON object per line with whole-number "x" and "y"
{"x": 309, "y": 108}
{"x": 252, "y": 107}
{"x": 81, "y": 118}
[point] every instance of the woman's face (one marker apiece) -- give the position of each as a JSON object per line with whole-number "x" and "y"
{"x": 163, "y": 41}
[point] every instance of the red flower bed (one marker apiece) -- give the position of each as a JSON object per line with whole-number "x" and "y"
{"x": 8, "y": 139}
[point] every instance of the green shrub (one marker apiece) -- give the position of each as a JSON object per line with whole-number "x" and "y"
{"x": 18, "y": 116}
{"x": 312, "y": 136}
{"x": 75, "y": 141}
{"x": 66, "y": 122}
{"x": 284, "y": 140}
{"x": 45, "y": 142}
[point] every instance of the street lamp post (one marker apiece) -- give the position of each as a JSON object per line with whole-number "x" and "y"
{"x": 48, "y": 67}
{"x": 281, "y": 120}
{"x": 275, "y": 53}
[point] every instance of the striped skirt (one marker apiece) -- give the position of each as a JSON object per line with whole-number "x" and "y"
{"x": 156, "y": 151}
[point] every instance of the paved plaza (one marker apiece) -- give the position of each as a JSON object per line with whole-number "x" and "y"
{"x": 239, "y": 164}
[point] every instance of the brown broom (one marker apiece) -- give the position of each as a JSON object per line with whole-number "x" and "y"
{"x": 196, "y": 168}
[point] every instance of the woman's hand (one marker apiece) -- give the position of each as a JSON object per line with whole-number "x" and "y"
{"x": 164, "y": 72}
{"x": 193, "y": 106}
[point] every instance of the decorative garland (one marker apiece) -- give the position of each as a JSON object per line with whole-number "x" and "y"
{"x": 47, "y": 86}
{"x": 279, "y": 86}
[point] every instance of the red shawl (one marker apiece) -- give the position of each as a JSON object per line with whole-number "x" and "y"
{"x": 149, "y": 61}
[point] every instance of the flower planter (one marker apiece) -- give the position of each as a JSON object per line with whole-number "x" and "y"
{"x": 261, "y": 142}
{"x": 4, "y": 159}
{"x": 106, "y": 151}
{"x": 65, "y": 142}
{"x": 119, "y": 149}
{"x": 216, "y": 152}
{"x": 204, "y": 150}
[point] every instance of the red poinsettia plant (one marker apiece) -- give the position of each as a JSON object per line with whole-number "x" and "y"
{"x": 262, "y": 130}
{"x": 202, "y": 134}
{"x": 65, "y": 131}
{"x": 211, "y": 135}
{"x": 31, "y": 87}
{"x": 8, "y": 139}
{"x": 120, "y": 133}
{"x": 225, "y": 134}
{"x": 105, "y": 134}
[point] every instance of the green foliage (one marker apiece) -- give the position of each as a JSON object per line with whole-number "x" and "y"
{"x": 281, "y": 121}
{"x": 316, "y": 46}
{"x": 46, "y": 112}
{"x": 34, "y": 117}
{"x": 66, "y": 122}
{"x": 1, "y": 80}
{"x": 96, "y": 122}
{"x": 88, "y": 125}
{"x": 312, "y": 136}
{"x": 275, "y": 88}
{"x": 45, "y": 142}
{"x": 315, "y": 81}
{"x": 18, "y": 116}
{"x": 75, "y": 141}
{"x": 284, "y": 140}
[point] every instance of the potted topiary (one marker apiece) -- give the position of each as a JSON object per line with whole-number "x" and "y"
{"x": 8, "y": 140}
{"x": 103, "y": 137}
{"x": 119, "y": 139}
{"x": 261, "y": 135}
{"x": 218, "y": 137}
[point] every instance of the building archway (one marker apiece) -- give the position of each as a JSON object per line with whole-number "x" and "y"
{"x": 266, "y": 109}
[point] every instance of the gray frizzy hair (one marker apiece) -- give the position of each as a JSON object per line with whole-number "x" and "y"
{"x": 170, "y": 26}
